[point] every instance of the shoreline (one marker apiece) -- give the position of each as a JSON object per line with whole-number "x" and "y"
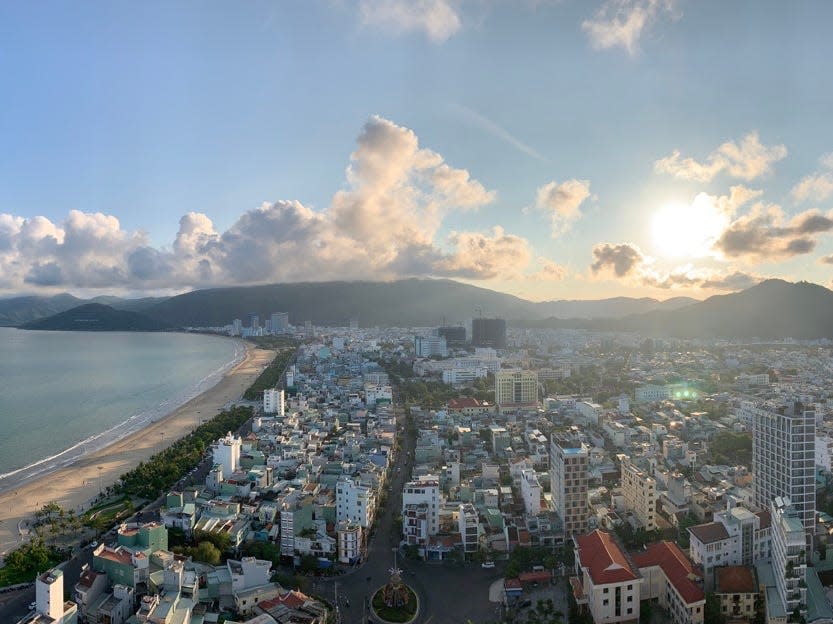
{"x": 75, "y": 484}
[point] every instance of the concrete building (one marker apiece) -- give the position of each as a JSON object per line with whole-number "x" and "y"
{"x": 738, "y": 592}
{"x": 349, "y": 537}
{"x": 569, "y": 464}
{"x": 650, "y": 393}
{"x": 426, "y": 492}
{"x": 640, "y": 493}
{"x": 488, "y": 333}
{"x": 607, "y": 583}
{"x": 531, "y": 492}
{"x": 426, "y": 346}
{"x": 354, "y": 503}
{"x": 469, "y": 527}
{"x": 516, "y": 389}
{"x": 226, "y": 452}
{"x": 789, "y": 558}
{"x": 279, "y": 322}
{"x": 668, "y": 576}
{"x": 274, "y": 402}
{"x": 783, "y": 460}
{"x": 50, "y": 606}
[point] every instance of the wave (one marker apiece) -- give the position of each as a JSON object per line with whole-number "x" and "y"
{"x": 135, "y": 422}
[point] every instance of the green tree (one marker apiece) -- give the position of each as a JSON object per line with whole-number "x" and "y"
{"x": 207, "y": 553}
{"x": 712, "y": 613}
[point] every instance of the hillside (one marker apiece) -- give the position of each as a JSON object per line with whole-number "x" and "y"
{"x": 97, "y": 317}
{"x": 411, "y": 302}
{"x": 16, "y": 311}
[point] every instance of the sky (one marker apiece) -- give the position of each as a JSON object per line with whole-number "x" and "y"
{"x": 550, "y": 149}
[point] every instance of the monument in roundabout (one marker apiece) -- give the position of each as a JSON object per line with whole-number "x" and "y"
{"x": 395, "y": 601}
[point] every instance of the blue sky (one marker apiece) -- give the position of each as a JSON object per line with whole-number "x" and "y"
{"x": 523, "y": 146}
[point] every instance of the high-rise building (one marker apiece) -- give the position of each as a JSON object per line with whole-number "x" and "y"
{"x": 309, "y": 331}
{"x": 789, "y": 563}
{"x": 783, "y": 458}
{"x": 49, "y": 599}
{"x": 274, "y": 401}
{"x": 354, "y": 502}
{"x": 423, "y": 494}
{"x": 226, "y": 452}
{"x": 516, "y": 388}
{"x": 531, "y": 491}
{"x": 354, "y": 323}
{"x": 254, "y": 320}
{"x": 487, "y": 332}
{"x": 569, "y": 463}
{"x": 639, "y": 490}
{"x": 455, "y": 335}
{"x": 279, "y": 322}
{"x": 237, "y": 324}
{"x": 426, "y": 346}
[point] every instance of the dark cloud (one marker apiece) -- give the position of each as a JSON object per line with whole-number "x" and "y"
{"x": 48, "y": 274}
{"x": 738, "y": 280}
{"x": 763, "y": 235}
{"x": 622, "y": 258}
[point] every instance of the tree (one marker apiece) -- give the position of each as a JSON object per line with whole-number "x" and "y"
{"x": 712, "y": 613}
{"x": 207, "y": 553}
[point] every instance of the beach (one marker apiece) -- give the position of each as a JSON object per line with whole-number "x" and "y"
{"x": 76, "y": 485}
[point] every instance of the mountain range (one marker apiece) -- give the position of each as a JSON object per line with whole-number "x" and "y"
{"x": 771, "y": 309}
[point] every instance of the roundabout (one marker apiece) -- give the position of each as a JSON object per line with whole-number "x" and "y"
{"x": 395, "y": 602}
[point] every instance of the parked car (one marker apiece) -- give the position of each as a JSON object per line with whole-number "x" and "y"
{"x": 487, "y": 565}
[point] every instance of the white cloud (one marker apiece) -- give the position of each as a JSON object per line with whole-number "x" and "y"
{"x": 548, "y": 271}
{"x": 384, "y": 224}
{"x": 817, "y": 186}
{"x": 747, "y": 161}
{"x": 562, "y": 202}
{"x": 622, "y": 23}
{"x": 437, "y": 19}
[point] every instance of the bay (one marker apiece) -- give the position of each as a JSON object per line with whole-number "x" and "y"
{"x": 66, "y": 394}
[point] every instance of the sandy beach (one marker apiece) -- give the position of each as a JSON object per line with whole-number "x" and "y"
{"x": 77, "y": 484}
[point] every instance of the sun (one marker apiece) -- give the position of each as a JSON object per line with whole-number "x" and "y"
{"x": 688, "y": 230}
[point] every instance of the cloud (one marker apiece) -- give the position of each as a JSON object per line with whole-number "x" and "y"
{"x": 734, "y": 280}
{"x": 747, "y": 161}
{"x": 826, "y": 259}
{"x": 622, "y": 259}
{"x": 764, "y": 234}
{"x": 817, "y": 186}
{"x": 562, "y": 202}
{"x": 437, "y": 19}
{"x": 621, "y": 23}
{"x": 384, "y": 224}
{"x": 549, "y": 271}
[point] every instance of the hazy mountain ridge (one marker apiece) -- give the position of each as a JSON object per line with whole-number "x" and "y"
{"x": 97, "y": 317}
{"x": 16, "y": 311}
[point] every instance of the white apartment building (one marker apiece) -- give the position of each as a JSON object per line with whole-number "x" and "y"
{"x": 375, "y": 393}
{"x": 531, "y": 491}
{"x": 349, "y": 536}
{"x": 274, "y": 402}
{"x": 569, "y": 463}
{"x": 789, "y": 558}
{"x": 824, "y": 450}
{"x": 460, "y": 376}
{"x": 49, "y": 599}
{"x": 516, "y": 388}
{"x": 607, "y": 583}
{"x": 424, "y": 491}
{"x": 783, "y": 460}
{"x": 736, "y": 537}
{"x": 416, "y": 519}
{"x": 469, "y": 527}
{"x": 354, "y": 503}
{"x": 650, "y": 393}
{"x": 669, "y": 577}
{"x": 639, "y": 490}
{"x": 279, "y": 322}
{"x": 226, "y": 453}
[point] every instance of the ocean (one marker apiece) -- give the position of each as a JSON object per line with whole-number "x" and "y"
{"x": 66, "y": 394}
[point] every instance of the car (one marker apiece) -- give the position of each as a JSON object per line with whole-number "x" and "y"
{"x": 32, "y": 606}
{"x": 487, "y": 565}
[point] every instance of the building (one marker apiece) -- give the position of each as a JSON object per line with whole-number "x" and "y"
{"x": 274, "y": 402}
{"x": 469, "y": 527}
{"x": 354, "y": 503}
{"x": 516, "y": 389}
{"x": 425, "y": 491}
{"x": 569, "y": 463}
{"x": 738, "y": 592}
{"x": 531, "y": 491}
{"x": 349, "y": 536}
{"x": 426, "y": 346}
{"x": 607, "y": 583}
{"x": 226, "y": 452}
{"x": 279, "y": 322}
{"x": 487, "y": 332}
{"x": 254, "y": 320}
{"x": 639, "y": 490}
{"x": 50, "y": 607}
{"x": 669, "y": 576}
{"x": 789, "y": 559}
{"x": 500, "y": 439}
{"x": 459, "y": 376}
{"x": 736, "y": 537}
{"x": 650, "y": 393}
{"x": 455, "y": 335}
{"x": 783, "y": 460}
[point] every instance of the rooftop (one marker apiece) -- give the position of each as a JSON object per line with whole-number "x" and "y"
{"x": 735, "y": 580}
{"x": 604, "y": 559}
{"x": 676, "y": 566}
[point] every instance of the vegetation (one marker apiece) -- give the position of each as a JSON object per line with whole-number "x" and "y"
{"x": 271, "y": 375}
{"x": 106, "y": 514}
{"x": 25, "y": 562}
{"x": 522, "y": 559}
{"x": 156, "y": 475}
{"x": 728, "y": 447}
{"x": 634, "y": 539}
{"x": 712, "y": 613}
{"x": 97, "y": 317}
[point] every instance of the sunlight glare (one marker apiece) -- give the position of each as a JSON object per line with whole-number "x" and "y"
{"x": 688, "y": 229}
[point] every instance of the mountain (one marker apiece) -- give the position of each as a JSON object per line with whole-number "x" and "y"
{"x": 16, "y": 311}
{"x": 773, "y": 309}
{"x": 615, "y": 307}
{"x": 97, "y": 317}
{"x": 410, "y": 302}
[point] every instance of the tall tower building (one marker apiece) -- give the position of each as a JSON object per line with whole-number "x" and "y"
{"x": 783, "y": 444}
{"x": 226, "y": 452}
{"x": 487, "y": 332}
{"x": 569, "y": 463}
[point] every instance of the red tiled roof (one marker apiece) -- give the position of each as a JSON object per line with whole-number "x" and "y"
{"x": 531, "y": 577}
{"x": 463, "y": 402}
{"x": 766, "y": 519}
{"x": 710, "y": 532}
{"x": 512, "y": 583}
{"x": 675, "y": 565}
{"x": 735, "y": 580}
{"x": 601, "y": 555}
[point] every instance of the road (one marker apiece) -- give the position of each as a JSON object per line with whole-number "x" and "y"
{"x": 439, "y": 586}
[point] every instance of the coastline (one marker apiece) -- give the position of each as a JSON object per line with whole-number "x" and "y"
{"x": 76, "y": 483}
